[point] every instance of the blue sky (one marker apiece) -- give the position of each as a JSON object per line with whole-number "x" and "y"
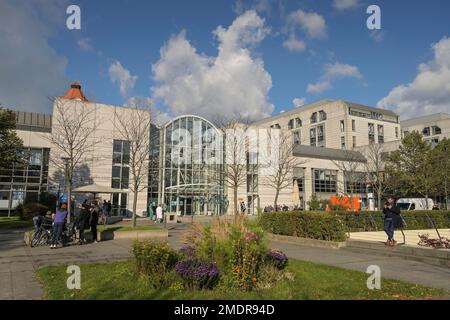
{"x": 121, "y": 40}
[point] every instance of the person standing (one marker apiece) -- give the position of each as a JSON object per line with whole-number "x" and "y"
{"x": 392, "y": 219}
{"x": 93, "y": 222}
{"x": 82, "y": 221}
{"x": 150, "y": 212}
{"x": 58, "y": 224}
{"x": 109, "y": 208}
{"x": 159, "y": 214}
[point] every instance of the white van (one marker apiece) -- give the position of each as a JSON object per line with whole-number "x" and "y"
{"x": 409, "y": 204}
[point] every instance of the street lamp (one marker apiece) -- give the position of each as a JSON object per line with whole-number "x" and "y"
{"x": 67, "y": 186}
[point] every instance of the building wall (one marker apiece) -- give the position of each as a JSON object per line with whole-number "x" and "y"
{"x": 441, "y": 120}
{"x": 98, "y": 161}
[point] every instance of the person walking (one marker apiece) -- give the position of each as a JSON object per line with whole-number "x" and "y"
{"x": 150, "y": 212}
{"x": 159, "y": 214}
{"x": 93, "y": 222}
{"x": 58, "y": 224}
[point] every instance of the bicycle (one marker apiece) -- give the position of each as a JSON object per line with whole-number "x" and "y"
{"x": 42, "y": 233}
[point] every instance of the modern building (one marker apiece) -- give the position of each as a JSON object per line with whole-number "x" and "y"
{"x": 433, "y": 128}
{"x": 187, "y": 161}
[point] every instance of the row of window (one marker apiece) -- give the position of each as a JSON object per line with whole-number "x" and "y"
{"x": 434, "y": 129}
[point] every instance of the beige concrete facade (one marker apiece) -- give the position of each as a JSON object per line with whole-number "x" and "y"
{"x": 434, "y": 128}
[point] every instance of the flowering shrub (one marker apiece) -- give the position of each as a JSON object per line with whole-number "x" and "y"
{"x": 197, "y": 274}
{"x": 426, "y": 241}
{"x": 248, "y": 257}
{"x": 277, "y": 258}
{"x": 155, "y": 260}
{"x": 187, "y": 251}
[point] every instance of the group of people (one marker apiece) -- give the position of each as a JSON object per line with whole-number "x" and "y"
{"x": 85, "y": 218}
{"x": 283, "y": 207}
{"x": 159, "y": 217}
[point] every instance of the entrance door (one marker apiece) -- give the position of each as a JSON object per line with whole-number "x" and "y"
{"x": 188, "y": 206}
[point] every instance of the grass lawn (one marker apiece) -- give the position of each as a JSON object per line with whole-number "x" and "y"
{"x": 14, "y": 223}
{"x": 311, "y": 281}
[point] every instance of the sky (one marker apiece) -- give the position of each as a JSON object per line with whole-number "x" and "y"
{"x": 217, "y": 58}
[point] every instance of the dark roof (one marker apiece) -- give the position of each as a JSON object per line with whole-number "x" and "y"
{"x": 31, "y": 121}
{"x": 328, "y": 153}
{"x": 370, "y": 109}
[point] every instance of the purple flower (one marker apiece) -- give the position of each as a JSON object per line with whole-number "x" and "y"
{"x": 197, "y": 273}
{"x": 277, "y": 258}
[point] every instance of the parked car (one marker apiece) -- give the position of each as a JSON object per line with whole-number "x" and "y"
{"x": 411, "y": 204}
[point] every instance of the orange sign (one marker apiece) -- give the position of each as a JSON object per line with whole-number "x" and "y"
{"x": 346, "y": 203}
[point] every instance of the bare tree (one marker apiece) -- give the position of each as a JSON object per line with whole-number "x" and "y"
{"x": 72, "y": 138}
{"x": 280, "y": 165}
{"x": 235, "y": 166}
{"x": 374, "y": 169}
{"x": 134, "y": 127}
{"x": 351, "y": 167}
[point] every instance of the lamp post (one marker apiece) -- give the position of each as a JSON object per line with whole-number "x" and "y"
{"x": 67, "y": 186}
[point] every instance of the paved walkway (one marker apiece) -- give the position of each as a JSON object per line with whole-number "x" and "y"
{"x": 18, "y": 262}
{"x": 411, "y": 236}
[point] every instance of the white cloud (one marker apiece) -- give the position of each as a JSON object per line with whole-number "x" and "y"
{"x": 345, "y": 4}
{"x": 85, "y": 44}
{"x": 231, "y": 83}
{"x": 294, "y": 44}
{"x": 122, "y": 76}
{"x": 312, "y": 24}
{"x": 30, "y": 70}
{"x": 158, "y": 117}
{"x": 298, "y": 102}
{"x": 332, "y": 72}
{"x": 429, "y": 92}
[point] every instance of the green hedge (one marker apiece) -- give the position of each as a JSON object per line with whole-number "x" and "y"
{"x": 304, "y": 224}
{"x": 332, "y": 226}
{"x": 373, "y": 221}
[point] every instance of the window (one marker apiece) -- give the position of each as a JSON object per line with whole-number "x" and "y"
{"x": 321, "y": 136}
{"x": 354, "y": 142}
{"x": 426, "y": 131}
{"x": 291, "y": 124}
{"x": 342, "y": 126}
{"x": 371, "y": 133}
{"x": 298, "y": 122}
{"x": 396, "y": 132}
{"x": 120, "y": 170}
{"x": 436, "y": 130}
{"x": 355, "y": 183}
{"x": 322, "y": 115}
{"x": 314, "y": 117}
{"x": 342, "y": 142}
{"x": 380, "y": 134}
{"x": 275, "y": 126}
{"x": 353, "y": 125}
{"x": 296, "y": 138}
{"x": 434, "y": 142}
{"x": 312, "y": 135}
{"x": 324, "y": 181}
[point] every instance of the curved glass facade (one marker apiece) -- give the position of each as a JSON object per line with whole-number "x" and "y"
{"x": 190, "y": 178}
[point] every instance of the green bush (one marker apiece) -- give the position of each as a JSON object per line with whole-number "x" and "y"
{"x": 155, "y": 260}
{"x": 304, "y": 224}
{"x": 373, "y": 221}
{"x": 28, "y": 210}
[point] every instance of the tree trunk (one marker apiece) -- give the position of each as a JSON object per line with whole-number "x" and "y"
{"x": 379, "y": 206}
{"x": 275, "y": 202}
{"x": 135, "y": 194}
{"x": 235, "y": 199}
{"x": 426, "y": 202}
{"x": 69, "y": 201}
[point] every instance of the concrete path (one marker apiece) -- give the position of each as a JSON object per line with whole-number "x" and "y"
{"x": 411, "y": 236}
{"x": 18, "y": 262}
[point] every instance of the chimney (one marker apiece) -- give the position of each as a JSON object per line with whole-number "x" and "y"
{"x": 75, "y": 92}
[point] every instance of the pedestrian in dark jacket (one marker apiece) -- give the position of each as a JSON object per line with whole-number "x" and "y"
{"x": 93, "y": 222}
{"x": 82, "y": 221}
{"x": 392, "y": 220}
